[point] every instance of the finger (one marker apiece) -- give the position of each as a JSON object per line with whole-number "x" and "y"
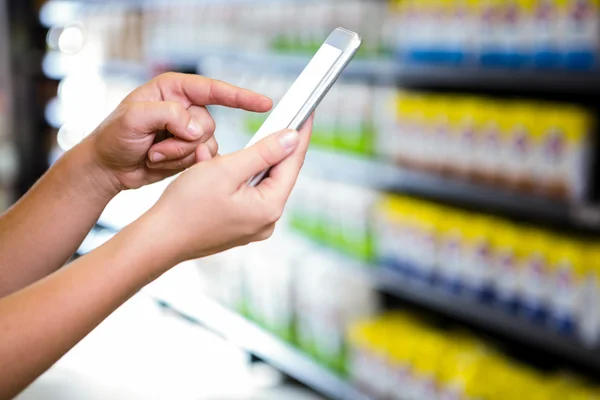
{"x": 203, "y": 116}
{"x": 179, "y": 164}
{"x": 282, "y": 178}
{"x": 203, "y": 153}
{"x": 189, "y": 89}
{"x": 213, "y": 146}
{"x": 266, "y": 153}
{"x": 146, "y": 118}
{"x": 207, "y": 151}
{"x": 172, "y": 149}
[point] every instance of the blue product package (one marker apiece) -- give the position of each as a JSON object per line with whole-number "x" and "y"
{"x": 584, "y": 60}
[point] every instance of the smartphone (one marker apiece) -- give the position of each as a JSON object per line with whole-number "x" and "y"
{"x": 310, "y": 88}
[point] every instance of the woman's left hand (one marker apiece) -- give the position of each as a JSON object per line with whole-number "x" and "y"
{"x": 124, "y": 145}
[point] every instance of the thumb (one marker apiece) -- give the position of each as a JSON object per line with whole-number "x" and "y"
{"x": 146, "y": 117}
{"x": 266, "y": 153}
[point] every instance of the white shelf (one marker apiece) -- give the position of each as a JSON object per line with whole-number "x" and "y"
{"x": 179, "y": 290}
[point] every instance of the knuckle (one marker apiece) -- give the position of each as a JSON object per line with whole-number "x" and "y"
{"x": 174, "y": 110}
{"x": 210, "y": 126}
{"x": 225, "y": 169}
{"x": 128, "y": 115}
{"x": 268, "y": 153}
{"x": 166, "y": 76}
{"x": 272, "y": 215}
{"x": 181, "y": 164}
{"x": 181, "y": 151}
{"x": 266, "y": 233}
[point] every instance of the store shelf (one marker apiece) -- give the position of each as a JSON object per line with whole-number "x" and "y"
{"x": 269, "y": 348}
{"x": 489, "y": 318}
{"x": 521, "y": 81}
{"x": 479, "y": 315}
{"x": 381, "y": 71}
{"x": 431, "y": 76}
{"x": 179, "y": 290}
{"x": 381, "y": 175}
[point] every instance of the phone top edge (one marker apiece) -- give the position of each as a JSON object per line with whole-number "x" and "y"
{"x": 344, "y": 39}
{"x": 323, "y": 88}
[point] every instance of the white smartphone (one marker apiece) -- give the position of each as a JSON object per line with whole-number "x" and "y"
{"x": 310, "y": 88}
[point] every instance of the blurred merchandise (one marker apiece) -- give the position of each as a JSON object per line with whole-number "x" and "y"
{"x": 174, "y": 31}
{"x": 545, "y": 34}
{"x": 311, "y": 295}
{"x": 548, "y": 279}
{"x": 335, "y": 214}
{"x": 307, "y": 296}
{"x": 398, "y": 356}
{"x": 345, "y": 120}
{"x": 533, "y": 147}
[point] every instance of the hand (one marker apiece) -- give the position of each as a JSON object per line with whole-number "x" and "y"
{"x": 210, "y": 208}
{"x": 124, "y": 144}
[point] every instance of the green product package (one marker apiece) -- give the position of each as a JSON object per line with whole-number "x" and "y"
{"x": 359, "y": 246}
{"x": 359, "y": 141}
{"x": 254, "y": 122}
{"x": 323, "y": 137}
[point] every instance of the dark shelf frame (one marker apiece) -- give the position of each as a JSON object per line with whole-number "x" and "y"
{"x": 489, "y": 318}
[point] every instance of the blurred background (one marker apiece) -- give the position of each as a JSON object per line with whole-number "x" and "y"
{"x": 442, "y": 242}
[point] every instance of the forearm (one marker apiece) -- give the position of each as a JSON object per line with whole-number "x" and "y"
{"x": 52, "y": 315}
{"x": 45, "y": 228}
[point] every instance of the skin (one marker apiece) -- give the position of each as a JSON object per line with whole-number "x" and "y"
{"x": 208, "y": 209}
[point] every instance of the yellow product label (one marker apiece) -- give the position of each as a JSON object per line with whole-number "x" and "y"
{"x": 528, "y": 6}
{"x": 579, "y": 126}
{"x": 517, "y": 116}
{"x": 575, "y": 4}
{"x": 461, "y": 361}
{"x": 487, "y": 112}
{"x": 489, "y": 379}
{"x": 425, "y": 363}
{"x": 404, "y": 104}
{"x": 478, "y": 228}
{"x": 568, "y": 258}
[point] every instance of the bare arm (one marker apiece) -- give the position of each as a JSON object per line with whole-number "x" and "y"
{"x": 43, "y": 321}
{"x": 46, "y": 226}
{"x": 207, "y": 210}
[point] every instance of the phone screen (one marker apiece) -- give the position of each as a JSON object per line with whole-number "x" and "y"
{"x": 299, "y": 93}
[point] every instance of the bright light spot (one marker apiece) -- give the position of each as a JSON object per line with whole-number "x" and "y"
{"x": 71, "y": 39}
{"x": 54, "y": 113}
{"x": 58, "y": 12}
{"x": 81, "y": 87}
{"x": 53, "y": 36}
{"x": 69, "y": 135}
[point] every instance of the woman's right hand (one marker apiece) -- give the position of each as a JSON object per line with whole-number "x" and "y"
{"x": 210, "y": 208}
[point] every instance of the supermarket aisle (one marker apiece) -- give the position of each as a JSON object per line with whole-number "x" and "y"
{"x": 143, "y": 352}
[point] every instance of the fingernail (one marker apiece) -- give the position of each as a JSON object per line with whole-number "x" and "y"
{"x": 289, "y": 140}
{"x": 195, "y": 129}
{"x": 157, "y": 157}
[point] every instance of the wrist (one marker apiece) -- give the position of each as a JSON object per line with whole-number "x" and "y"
{"x": 158, "y": 248}
{"x": 102, "y": 181}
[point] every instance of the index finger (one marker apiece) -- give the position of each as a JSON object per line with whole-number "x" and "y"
{"x": 199, "y": 90}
